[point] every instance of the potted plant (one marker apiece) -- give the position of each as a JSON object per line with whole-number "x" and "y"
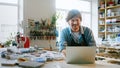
{"x": 7, "y": 43}
{"x": 10, "y": 39}
{"x": 54, "y": 19}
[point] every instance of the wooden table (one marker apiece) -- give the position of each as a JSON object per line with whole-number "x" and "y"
{"x": 63, "y": 64}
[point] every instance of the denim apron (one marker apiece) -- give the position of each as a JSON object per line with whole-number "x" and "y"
{"x": 82, "y": 43}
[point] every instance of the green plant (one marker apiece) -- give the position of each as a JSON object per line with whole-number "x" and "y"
{"x": 10, "y": 39}
{"x": 54, "y": 19}
{"x": 8, "y": 42}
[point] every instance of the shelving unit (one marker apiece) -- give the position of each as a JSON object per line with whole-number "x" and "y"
{"x": 108, "y": 53}
{"x": 108, "y": 18}
{"x": 108, "y": 28}
{"x": 42, "y": 33}
{"x": 41, "y": 30}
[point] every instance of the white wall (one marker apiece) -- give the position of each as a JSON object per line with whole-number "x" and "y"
{"x": 37, "y": 9}
{"x": 95, "y": 19}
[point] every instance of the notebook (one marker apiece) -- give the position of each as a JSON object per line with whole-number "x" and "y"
{"x": 80, "y": 54}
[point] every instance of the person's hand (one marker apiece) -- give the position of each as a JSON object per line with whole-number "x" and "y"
{"x": 64, "y": 52}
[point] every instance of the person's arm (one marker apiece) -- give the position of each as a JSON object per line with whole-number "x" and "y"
{"x": 62, "y": 41}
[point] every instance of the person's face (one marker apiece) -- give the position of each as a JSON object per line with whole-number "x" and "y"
{"x": 75, "y": 24}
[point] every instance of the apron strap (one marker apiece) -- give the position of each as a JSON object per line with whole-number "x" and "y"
{"x": 84, "y": 39}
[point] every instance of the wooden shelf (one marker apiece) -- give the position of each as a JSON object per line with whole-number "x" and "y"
{"x": 103, "y": 13}
{"x": 101, "y": 47}
{"x": 43, "y": 37}
{"x": 111, "y": 7}
{"x": 106, "y": 58}
{"x": 106, "y": 53}
{"x": 112, "y": 32}
{"x": 101, "y": 18}
{"x": 101, "y": 9}
{"x": 111, "y": 24}
{"x": 112, "y": 17}
{"x": 101, "y": 24}
{"x": 101, "y": 32}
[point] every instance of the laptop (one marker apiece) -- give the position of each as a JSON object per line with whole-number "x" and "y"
{"x": 80, "y": 54}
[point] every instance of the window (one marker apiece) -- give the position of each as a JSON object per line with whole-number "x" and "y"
{"x": 8, "y": 18}
{"x": 9, "y": 1}
{"x": 63, "y": 6}
{"x": 81, "y": 5}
